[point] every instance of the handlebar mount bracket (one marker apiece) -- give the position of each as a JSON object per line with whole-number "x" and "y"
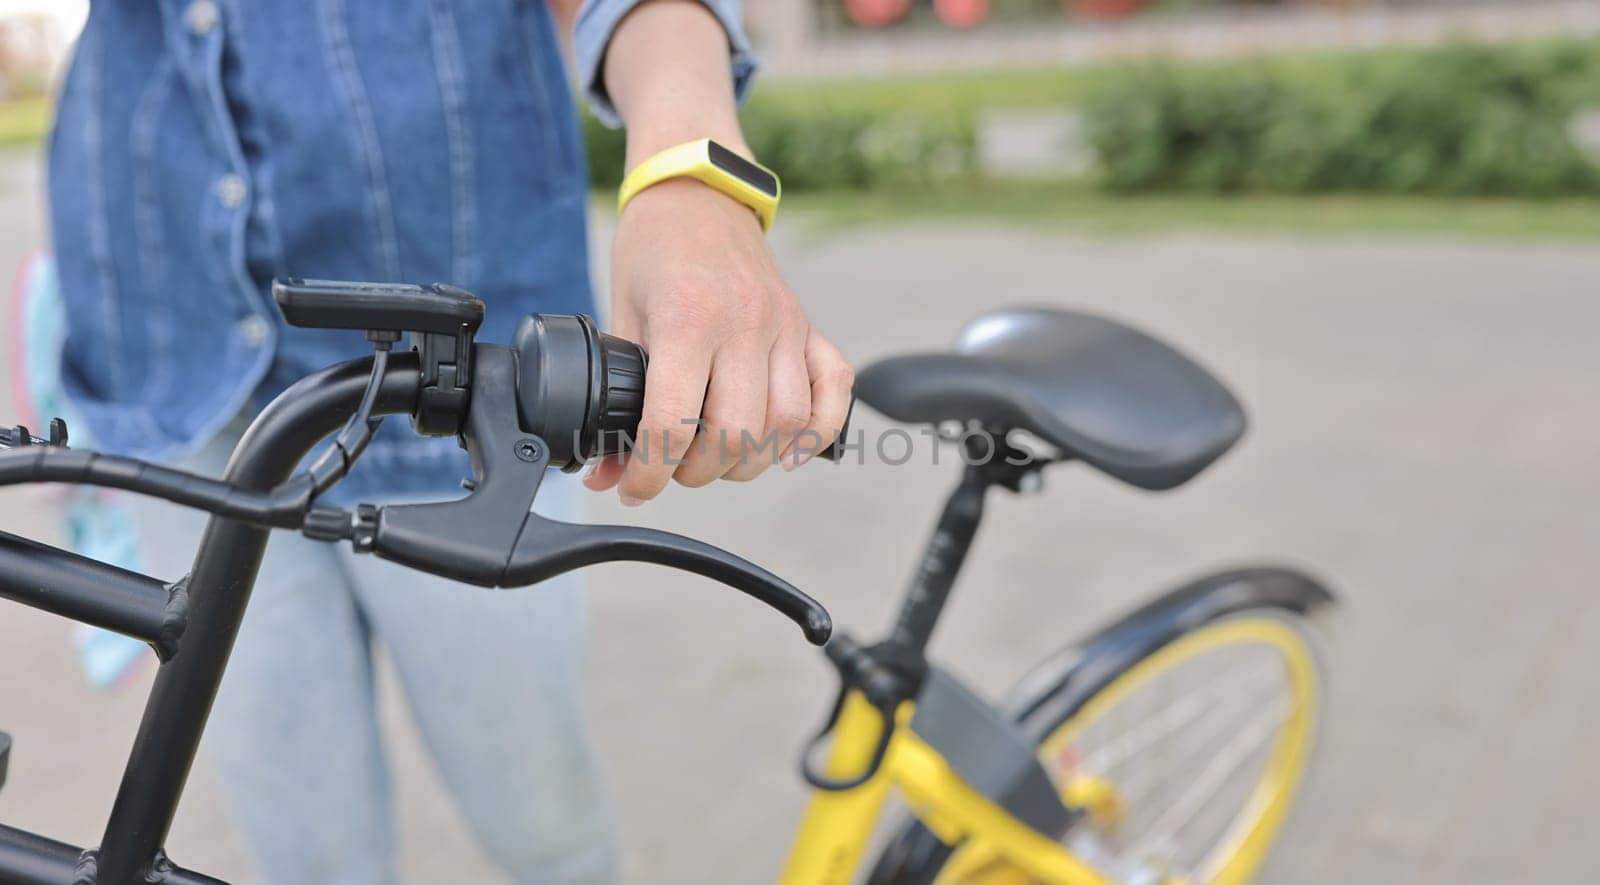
{"x": 442, "y": 319}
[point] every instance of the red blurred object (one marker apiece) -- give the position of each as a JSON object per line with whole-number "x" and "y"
{"x": 876, "y": 13}
{"x": 961, "y": 13}
{"x": 1105, "y": 8}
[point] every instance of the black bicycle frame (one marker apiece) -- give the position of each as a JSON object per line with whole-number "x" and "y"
{"x": 92, "y": 592}
{"x": 192, "y": 626}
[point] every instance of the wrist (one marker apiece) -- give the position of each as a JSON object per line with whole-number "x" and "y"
{"x": 676, "y": 196}
{"x": 705, "y": 163}
{"x": 646, "y": 141}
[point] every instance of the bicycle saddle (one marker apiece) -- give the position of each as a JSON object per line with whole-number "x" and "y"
{"x": 1103, "y": 393}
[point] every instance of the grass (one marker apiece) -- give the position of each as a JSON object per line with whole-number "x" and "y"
{"x": 24, "y": 121}
{"x": 1080, "y": 205}
{"x": 1023, "y": 88}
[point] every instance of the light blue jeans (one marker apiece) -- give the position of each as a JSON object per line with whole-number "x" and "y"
{"x": 492, "y": 677}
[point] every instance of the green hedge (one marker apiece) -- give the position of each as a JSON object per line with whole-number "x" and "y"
{"x": 1458, "y": 120}
{"x": 822, "y": 146}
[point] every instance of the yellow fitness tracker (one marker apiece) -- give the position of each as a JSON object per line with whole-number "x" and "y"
{"x": 713, "y": 165}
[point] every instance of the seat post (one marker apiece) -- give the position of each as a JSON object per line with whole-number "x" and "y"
{"x": 941, "y": 561}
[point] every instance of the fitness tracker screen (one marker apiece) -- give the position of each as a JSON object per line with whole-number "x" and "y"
{"x": 742, "y": 169}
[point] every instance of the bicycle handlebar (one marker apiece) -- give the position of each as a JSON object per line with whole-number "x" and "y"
{"x": 563, "y": 393}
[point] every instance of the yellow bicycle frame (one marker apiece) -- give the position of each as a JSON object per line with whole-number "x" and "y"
{"x": 838, "y": 825}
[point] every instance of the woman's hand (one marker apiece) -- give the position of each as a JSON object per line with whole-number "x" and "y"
{"x": 694, "y": 281}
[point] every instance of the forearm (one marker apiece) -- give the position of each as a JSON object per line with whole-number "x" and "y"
{"x": 668, "y": 74}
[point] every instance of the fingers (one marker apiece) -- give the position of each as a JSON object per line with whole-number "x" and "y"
{"x": 675, "y": 390}
{"x": 798, "y": 400}
{"x": 788, "y": 405}
{"x": 832, "y": 381}
{"x": 605, "y": 473}
{"x": 735, "y": 413}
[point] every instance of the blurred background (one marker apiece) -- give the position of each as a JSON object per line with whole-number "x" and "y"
{"x": 1376, "y": 220}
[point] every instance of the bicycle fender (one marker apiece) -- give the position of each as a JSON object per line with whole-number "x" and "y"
{"x": 1062, "y": 684}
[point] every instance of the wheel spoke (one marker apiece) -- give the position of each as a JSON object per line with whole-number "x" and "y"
{"x": 1180, "y": 748}
{"x": 1227, "y": 761}
{"x": 1164, "y": 724}
{"x": 1221, "y": 721}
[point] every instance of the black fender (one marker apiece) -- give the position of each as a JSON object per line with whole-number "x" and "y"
{"x": 1064, "y": 682}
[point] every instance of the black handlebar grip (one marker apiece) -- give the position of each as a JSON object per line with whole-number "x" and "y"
{"x": 621, "y": 394}
{"x": 579, "y": 389}
{"x": 582, "y": 391}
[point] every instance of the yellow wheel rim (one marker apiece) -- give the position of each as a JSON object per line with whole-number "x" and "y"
{"x": 1237, "y": 856}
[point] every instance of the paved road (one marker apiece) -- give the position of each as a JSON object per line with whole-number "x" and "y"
{"x": 1425, "y": 436}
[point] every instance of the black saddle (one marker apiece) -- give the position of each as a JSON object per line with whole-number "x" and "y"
{"x": 1099, "y": 391}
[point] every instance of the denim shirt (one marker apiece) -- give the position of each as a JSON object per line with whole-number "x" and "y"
{"x": 203, "y": 147}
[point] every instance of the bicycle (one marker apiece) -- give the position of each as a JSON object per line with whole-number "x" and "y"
{"x": 1061, "y": 784}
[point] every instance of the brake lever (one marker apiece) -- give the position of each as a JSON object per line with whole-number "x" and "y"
{"x": 492, "y": 537}
{"x": 548, "y": 548}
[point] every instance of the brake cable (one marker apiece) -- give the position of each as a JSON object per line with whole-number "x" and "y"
{"x": 32, "y": 459}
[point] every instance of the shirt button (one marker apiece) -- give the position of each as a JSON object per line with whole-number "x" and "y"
{"x": 231, "y": 190}
{"x": 202, "y": 16}
{"x": 254, "y": 330}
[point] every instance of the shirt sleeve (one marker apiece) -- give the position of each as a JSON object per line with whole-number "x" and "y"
{"x": 592, "y": 33}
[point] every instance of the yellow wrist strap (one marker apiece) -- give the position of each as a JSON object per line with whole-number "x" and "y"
{"x": 713, "y": 165}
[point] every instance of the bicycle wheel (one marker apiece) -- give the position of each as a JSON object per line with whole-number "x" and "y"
{"x": 1185, "y": 758}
